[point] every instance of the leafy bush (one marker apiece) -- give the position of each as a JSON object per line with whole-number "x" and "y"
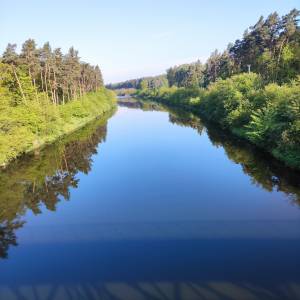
{"x": 28, "y": 125}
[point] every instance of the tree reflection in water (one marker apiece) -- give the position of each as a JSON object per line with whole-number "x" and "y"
{"x": 8, "y": 236}
{"x": 45, "y": 178}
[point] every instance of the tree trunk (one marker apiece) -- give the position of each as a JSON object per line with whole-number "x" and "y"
{"x": 80, "y": 90}
{"x": 279, "y": 57}
{"x": 52, "y": 97}
{"x": 36, "y": 93}
{"x": 19, "y": 84}
{"x": 46, "y": 84}
{"x": 42, "y": 81}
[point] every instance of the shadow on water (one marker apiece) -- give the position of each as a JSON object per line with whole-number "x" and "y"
{"x": 141, "y": 268}
{"x": 152, "y": 269}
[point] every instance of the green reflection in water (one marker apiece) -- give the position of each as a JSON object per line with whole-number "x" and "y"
{"x": 45, "y": 178}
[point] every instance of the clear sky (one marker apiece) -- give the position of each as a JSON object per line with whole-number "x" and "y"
{"x": 134, "y": 38}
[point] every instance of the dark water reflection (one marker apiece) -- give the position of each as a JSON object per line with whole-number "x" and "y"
{"x": 156, "y": 212}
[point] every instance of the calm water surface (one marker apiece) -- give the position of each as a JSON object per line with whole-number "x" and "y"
{"x": 149, "y": 204}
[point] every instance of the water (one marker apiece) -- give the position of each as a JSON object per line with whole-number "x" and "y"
{"x": 149, "y": 204}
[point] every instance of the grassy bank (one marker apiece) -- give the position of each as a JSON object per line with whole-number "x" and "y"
{"x": 266, "y": 115}
{"x": 31, "y": 125}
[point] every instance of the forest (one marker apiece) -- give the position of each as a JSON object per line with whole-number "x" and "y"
{"x": 251, "y": 89}
{"x": 45, "y": 94}
{"x": 130, "y": 86}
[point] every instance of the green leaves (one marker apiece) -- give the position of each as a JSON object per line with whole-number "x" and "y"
{"x": 21, "y": 126}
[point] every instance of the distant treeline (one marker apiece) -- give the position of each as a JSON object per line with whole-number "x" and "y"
{"x": 141, "y": 83}
{"x": 262, "y": 106}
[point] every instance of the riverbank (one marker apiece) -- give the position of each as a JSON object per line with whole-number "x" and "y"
{"x": 26, "y": 128}
{"x": 266, "y": 115}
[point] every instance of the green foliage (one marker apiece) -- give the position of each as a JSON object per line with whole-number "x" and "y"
{"x": 125, "y": 92}
{"x": 154, "y": 82}
{"x": 24, "y": 127}
{"x": 143, "y": 84}
{"x": 276, "y": 126}
{"x": 230, "y": 102}
{"x": 270, "y": 47}
{"x": 187, "y": 75}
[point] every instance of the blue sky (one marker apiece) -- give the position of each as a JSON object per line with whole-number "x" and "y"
{"x": 134, "y": 38}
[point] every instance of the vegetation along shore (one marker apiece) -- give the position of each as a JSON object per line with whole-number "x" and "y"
{"x": 45, "y": 94}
